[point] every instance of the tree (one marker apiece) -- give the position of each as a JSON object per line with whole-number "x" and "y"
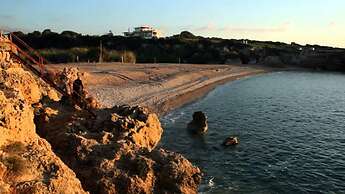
{"x": 70, "y": 34}
{"x": 188, "y": 35}
{"x": 129, "y": 57}
{"x": 46, "y": 32}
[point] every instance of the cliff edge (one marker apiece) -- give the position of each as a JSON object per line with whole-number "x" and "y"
{"x": 27, "y": 162}
{"x": 51, "y": 146}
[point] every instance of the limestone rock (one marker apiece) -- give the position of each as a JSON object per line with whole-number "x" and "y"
{"x": 118, "y": 151}
{"x": 66, "y": 77}
{"x": 113, "y": 153}
{"x": 23, "y": 81}
{"x": 27, "y": 163}
{"x": 72, "y": 81}
{"x": 177, "y": 174}
{"x": 230, "y": 141}
{"x": 199, "y": 123}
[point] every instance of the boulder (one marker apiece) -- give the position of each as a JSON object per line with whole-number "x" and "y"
{"x": 230, "y": 141}
{"x": 73, "y": 82}
{"x": 120, "y": 148}
{"x": 199, "y": 123}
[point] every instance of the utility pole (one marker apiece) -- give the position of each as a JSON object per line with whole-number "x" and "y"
{"x": 100, "y": 52}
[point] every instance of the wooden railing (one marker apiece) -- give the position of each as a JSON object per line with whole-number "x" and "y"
{"x": 31, "y": 58}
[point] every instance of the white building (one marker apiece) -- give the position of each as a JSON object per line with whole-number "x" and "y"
{"x": 146, "y": 32}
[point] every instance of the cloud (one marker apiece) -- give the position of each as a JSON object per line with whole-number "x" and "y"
{"x": 7, "y": 17}
{"x": 11, "y": 29}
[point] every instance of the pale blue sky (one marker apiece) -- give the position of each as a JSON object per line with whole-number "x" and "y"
{"x": 303, "y": 21}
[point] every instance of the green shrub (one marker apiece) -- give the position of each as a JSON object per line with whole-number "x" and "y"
{"x": 57, "y": 55}
{"x": 112, "y": 56}
{"x": 129, "y": 57}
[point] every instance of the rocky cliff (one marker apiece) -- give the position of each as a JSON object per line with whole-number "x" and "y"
{"x": 115, "y": 152}
{"x": 52, "y": 146}
{"x": 27, "y": 162}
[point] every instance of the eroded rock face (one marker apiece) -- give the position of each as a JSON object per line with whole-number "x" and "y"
{"x": 177, "y": 175}
{"x": 113, "y": 153}
{"x": 16, "y": 116}
{"x": 27, "y": 163}
{"x": 199, "y": 123}
{"x": 6, "y": 61}
{"x": 140, "y": 171}
{"x": 72, "y": 81}
{"x": 134, "y": 125}
{"x": 19, "y": 79}
{"x": 118, "y": 151}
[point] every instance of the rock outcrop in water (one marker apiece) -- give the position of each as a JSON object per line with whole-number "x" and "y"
{"x": 199, "y": 123}
{"x": 230, "y": 141}
{"x": 113, "y": 153}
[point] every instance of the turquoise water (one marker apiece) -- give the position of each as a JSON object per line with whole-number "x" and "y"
{"x": 291, "y": 127}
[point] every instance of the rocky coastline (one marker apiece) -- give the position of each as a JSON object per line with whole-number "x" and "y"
{"x": 49, "y": 146}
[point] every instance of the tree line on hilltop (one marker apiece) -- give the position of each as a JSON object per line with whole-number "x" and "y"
{"x": 69, "y": 46}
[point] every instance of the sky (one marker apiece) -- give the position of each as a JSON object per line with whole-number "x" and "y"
{"x": 302, "y": 21}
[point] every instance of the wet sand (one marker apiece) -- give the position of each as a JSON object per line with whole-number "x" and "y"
{"x": 160, "y": 87}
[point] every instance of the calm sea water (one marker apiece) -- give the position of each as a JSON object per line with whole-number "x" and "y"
{"x": 291, "y": 127}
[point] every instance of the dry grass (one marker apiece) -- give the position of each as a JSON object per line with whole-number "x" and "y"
{"x": 15, "y": 148}
{"x": 16, "y": 165}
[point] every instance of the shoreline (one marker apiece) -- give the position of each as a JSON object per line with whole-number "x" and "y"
{"x": 192, "y": 96}
{"x": 195, "y": 95}
{"x": 160, "y": 87}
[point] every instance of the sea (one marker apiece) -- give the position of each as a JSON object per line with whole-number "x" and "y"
{"x": 291, "y": 128}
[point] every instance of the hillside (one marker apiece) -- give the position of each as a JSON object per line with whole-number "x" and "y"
{"x": 70, "y": 46}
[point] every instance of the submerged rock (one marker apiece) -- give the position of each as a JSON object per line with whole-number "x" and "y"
{"x": 199, "y": 123}
{"x": 230, "y": 141}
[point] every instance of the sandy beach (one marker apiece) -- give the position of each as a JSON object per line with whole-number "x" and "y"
{"x": 160, "y": 87}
